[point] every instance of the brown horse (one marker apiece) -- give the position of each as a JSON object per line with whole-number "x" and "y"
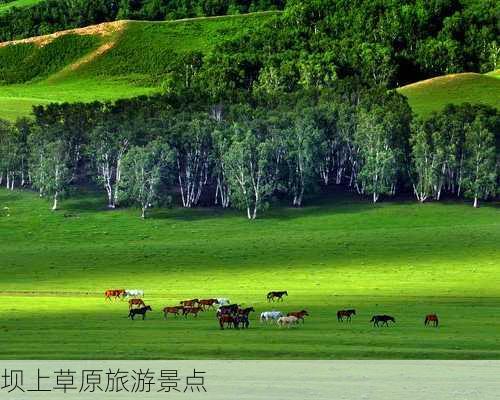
{"x": 245, "y": 311}
{"x": 191, "y": 310}
{"x": 229, "y": 320}
{"x": 298, "y": 314}
{"x": 189, "y": 303}
{"x": 347, "y": 314}
{"x": 208, "y": 303}
{"x": 172, "y": 310}
{"x": 113, "y": 293}
{"x": 136, "y": 302}
{"x": 431, "y": 318}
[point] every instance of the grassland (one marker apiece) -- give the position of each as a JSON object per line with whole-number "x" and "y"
{"x": 130, "y": 59}
{"x": 433, "y": 94}
{"x": 401, "y": 258}
{"x": 4, "y": 7}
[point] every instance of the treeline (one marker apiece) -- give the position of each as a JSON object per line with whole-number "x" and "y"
{"x": 55, "y": 15}
{"x": 152, "y": 151}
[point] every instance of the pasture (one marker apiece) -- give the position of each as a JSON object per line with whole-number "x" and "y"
{"x": 399, "y": 258}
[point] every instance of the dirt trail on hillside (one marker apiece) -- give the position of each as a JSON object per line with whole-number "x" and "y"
{"x": 104, "y": 29}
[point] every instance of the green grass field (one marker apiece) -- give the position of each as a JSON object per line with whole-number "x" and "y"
{"x": 4, "y": 7}
{"x": 118, "y": 69}
{"x": 401, "y": 258}
{"x": 433, "y": 94}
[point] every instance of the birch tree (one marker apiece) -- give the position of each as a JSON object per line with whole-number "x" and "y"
{"x": 221, "y": 142}
{"x": 142, "y": 174}
{"x": 51, "y": 175}
{"x": 109, "y": 143}
{"x": 379, "y": 159}
{"x": 249, "y": 168}
{"x": 480, "y": 171}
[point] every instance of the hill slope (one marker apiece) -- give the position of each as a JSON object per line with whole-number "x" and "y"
{"x": 106, "y": 62}
{"x": 433, "y": 94}
{"x": 4, "y": 7}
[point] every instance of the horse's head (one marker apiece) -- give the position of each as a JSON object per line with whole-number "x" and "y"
{"x": 373, "y": 319}
{"x": 250, "y": 309}
{"x": 304, "y": 312}
{"x": 196, "y": 301}
{"x": 392, "y": 319}
{"x": 148, "y": 308}
{"x": 285, "y": 293}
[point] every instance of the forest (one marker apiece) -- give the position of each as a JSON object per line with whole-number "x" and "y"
{"x": 168, "y": 150}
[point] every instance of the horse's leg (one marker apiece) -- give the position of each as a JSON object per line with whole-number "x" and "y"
{"x": 143, "y": 316}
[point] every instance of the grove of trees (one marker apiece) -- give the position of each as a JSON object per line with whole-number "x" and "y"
{"x": 150, "y": 150}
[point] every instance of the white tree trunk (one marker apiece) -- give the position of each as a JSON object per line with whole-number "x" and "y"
{"x": 476, "y": 202}
{"x": 54, "y": 207}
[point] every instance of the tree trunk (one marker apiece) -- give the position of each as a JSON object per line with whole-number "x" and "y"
{"x": 476, "y": 202}
{"x": 54, "y": 207}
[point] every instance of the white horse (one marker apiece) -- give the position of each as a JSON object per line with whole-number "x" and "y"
{"x": 287, "y": 321}
{"x": 222, "y": 301}
{"x": 134, "y": 293}
{"x": 270, "y": 316}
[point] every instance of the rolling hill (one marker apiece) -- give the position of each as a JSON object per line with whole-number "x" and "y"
{"x": 109, "y": 61}
{"x": 17, "y": 3}
{"x": 433, "y": 94}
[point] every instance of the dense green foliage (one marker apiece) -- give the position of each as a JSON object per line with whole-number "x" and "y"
{"x": 51, "y": 16}
{"x": 405, "y": 259}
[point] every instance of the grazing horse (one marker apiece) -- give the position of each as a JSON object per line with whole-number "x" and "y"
{"x": 133, "y": 293}
{"x": 191, "y": 310}
{"x": 172, "y": 310}
{"x": 136, "y": 302}
{"x": 341, "y": 314}
{"x": 245, "y": 311}
{"x": 222, "y": 301}
{"x": 267, "y": 316}
{"x": 113, "y": 293}
{"x": 276, "y": 295}
{"x": 287, "y": 321}
{"x": 142, "y": 311}
{"x": 431, "y": 318}
{"x": 299, "y": 314}
{"x": 382, "y": 318}
{"x": 208, "y": 303}
{"x": 189, "y": 303}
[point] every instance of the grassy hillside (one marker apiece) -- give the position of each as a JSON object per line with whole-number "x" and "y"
{"x": 433, "y": 94}
{"x": 404, "y": 259}
{"x": 17, "y": 3}
{"x": 106, "y": 62}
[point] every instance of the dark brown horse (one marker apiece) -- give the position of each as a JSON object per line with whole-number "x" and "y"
{"x": 208, "y": 303}
{"x": 191, "y": 310}
{"x": 141, "y": 311}
{"x": 299, "y": 314}
{"x": 136, "y": 302}
{"x": 229, "y": 320}
{"x": 189, "y": 303}
{"x": 276, "y": 295}
{"x": 385, "y": 319}
{"x": 245, "y": 311}
{"x": 347, "y": 314}
{"x": 431, "y": 319}
{"x": 113, "y": 293}
{"x": 172, "y": 310}
{"x": 231, "y": 309}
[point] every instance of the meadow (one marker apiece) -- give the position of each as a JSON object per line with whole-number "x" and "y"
{"x": 4, "y": 7}
{"x": 401, "y": 258}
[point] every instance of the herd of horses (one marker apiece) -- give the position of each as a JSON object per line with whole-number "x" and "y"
{"x": 234, "y": 316}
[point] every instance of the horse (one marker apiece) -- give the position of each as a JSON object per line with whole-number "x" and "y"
{"x": 229, "y": 320}
{"x": 208, "y": 303}
{"x": 270, "y": 316}
{"x": 189, "y": 303}
{"x": 229, "y": 310}
{"x": 245, "y": 311}
{"x": 287, "y": 321}
{"x": 382, "y": 318}
{"x": 299, "y": 314}
{"x": 115, "y": 293}
{"x": 431, "y": 318}
{"x": 278, "y": 295}
{"x": 242, "y": 320}
{"x": 191, "y": 310}
{"x": 345, "y": 313}
{"x": 136, "y": 302}
{"x": 133, "y": 293}
{"x": 134, "y": 311}
{"x": 222, "y": 301}
{"x": 172, "y": 310}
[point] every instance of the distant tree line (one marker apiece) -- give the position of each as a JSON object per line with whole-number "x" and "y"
{"x": 163, "y": 149}
{"x": 313, "y": 43}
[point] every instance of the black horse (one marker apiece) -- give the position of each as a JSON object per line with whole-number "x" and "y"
{"x": 231, "y": 309}
{"x": 142, "y": 311}
{"x": 382, "y": 318}
{"x": 276, "y": 295}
